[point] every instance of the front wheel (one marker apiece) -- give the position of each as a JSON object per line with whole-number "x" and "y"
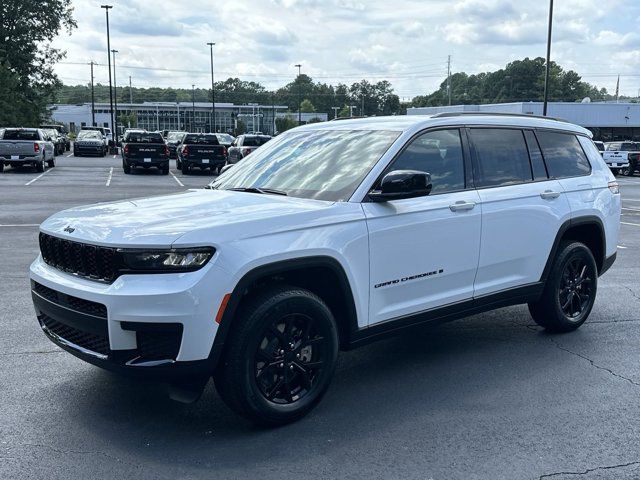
{"x": 570, "y": 290}
{"x": 280, "y": 356}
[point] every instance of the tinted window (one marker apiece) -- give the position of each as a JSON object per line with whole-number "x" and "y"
{"x": 255, "y": 141}
{"x": 143, "y": 137}
{"x": 502, "y": 157}
{"x": 201, "y": 139}
{"x": 438, "y": 153}
{"x": 21, "y": 135}
{"x": 537, "y": 163}
{"x": 563, "y": 154}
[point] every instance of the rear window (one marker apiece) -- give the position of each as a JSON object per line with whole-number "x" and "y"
{"x": 255, "y": 141}
{"x": 563, "y": 154}
{"x": 143, "y": 137}
{"x": 201, "y": 139}
{"x": 502, "y": 157}
{"x": 21, "y": 135}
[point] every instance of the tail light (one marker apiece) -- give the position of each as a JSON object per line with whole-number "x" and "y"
{"x": 224, "y": 151}
{"x": 166, "y": 150}
{"x": 185, "y": 150}
{"x": 36, "y": 147}
{"x": 126, "y": 149}
{"x": 246, "y": 151}
{"x": 614, "y": 187}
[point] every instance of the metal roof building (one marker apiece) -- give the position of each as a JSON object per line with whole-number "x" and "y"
{"x": 607, "y": 120}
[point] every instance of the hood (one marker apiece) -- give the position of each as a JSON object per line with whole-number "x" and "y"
{"x": 161, "y": 221}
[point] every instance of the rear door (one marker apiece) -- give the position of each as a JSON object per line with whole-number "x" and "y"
{"x": 522, "y": 208}
{"x": 424, "y": 251}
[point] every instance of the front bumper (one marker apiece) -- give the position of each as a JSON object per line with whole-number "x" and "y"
{"x": 158, "y": 326}
{"x": 89, "y": 149}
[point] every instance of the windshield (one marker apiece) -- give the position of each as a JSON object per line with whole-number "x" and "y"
{"x": 143, "y": 137}
{"x": 21, "y": 135}
{"x": 324, "y": 165}
{"x": 254, "y": 141}
{"x": 89, "y": 135}
{"x": 175, "y": 136}
{"x": 204, "y": 139}
{"x": 225, "y": 137}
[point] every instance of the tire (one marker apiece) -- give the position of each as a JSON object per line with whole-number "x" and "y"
{"x": 615, "y": 171}
{"x": 574, "y": 275}
{"x": 126, "y": 167}
{"x": 165, "y": 170}
{"x": 178, "y": 164}
{"x": 630, "y": 170}
{"x": 51, "y": 163}
{"x": 40, "y": 166}
{"x": 67, "y": 147}
{"x": 1, "y": 167}
{"x": 300, "y": 357}
{"x": 186, "y": 168}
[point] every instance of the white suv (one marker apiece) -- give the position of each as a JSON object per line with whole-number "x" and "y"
{"x": 328, "y": 237}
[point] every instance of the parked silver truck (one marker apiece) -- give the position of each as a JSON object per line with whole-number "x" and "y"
{"x": 26, "y": 147}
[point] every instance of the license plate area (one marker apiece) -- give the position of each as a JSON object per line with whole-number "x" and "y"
{"x": 147, "y": 160}
{"x": 205, "y": 160}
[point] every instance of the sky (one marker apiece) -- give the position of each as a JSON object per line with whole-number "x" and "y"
{"x": 163, "y": 43}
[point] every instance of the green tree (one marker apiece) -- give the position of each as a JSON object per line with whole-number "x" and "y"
{"x": 241, "y": 128}
{"x": 307, "y": 107}
{"x": 285, "y": 123}
{"x": 27, "y": 28}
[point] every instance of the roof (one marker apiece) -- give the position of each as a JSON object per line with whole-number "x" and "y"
{"x": 411, "y": 123}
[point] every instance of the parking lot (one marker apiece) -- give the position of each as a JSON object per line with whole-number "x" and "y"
{"x": 491, "y": 396}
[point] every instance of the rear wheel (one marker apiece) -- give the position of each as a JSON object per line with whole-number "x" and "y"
{"x": 165, "y": 170}
{"x": 280, "y": 356}
{"x": 51, "y": 163}
{"x": 39, "y": 167}
{"x": 615, "y": 171}
{"x": 178, "y": 164}
{"x": 570, "y": 290}
{"x": 628, "y": 171}
{"x": 186, "y": 168}
{"x": 126, "y": 167}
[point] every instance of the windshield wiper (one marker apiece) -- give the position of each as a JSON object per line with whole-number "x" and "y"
{"x": 270, "y": 191}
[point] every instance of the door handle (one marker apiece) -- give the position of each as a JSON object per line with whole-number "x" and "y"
{"x": 549, "y": 194}
{"x": 461, "y": 206}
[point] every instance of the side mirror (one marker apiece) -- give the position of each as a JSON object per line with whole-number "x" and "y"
{"x": 402, "y": 184}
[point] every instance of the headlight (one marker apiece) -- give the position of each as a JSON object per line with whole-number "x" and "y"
{"x": 165, "y": 261}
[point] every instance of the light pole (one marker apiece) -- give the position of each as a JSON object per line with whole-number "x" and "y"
{"x": 106, "y": 11}
{"x": 115, "y": 97}
{"x": 213, "y": 90}
{"x": 93, "y": 100}
{"x": 546, "y": 72}
{"x": 193, "y": 106}
{"x": 299, "y": 94}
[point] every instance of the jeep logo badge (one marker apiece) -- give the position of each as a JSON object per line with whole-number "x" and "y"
{"x": 69, "y": 229}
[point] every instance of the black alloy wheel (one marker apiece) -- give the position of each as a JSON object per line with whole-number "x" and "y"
{"x": 575, "y": 292}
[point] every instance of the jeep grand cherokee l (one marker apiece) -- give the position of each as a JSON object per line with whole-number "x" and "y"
{"x": 326, "y": 238}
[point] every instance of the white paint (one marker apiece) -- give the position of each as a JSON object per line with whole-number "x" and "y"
{"x": 633, "y": 224}
{"x": 37, "y": 178}
{"x": 110, "y": 175}
{"x": 177, "y": 179}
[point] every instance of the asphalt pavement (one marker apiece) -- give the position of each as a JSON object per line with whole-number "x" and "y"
{"x": 487, "y": 397}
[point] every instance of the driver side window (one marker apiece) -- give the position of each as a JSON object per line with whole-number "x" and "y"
{"x": 438, "y": 153}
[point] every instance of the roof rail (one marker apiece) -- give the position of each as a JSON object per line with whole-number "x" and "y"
{"x": 493, "y": 114}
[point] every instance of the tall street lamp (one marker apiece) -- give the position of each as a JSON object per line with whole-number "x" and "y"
{"x": 106, "y": 10}
{"x": 193, "y": 106}
{"x": 115, "y": 98}
{"x": 93, "y": 99}
{"x": 213, "y": 90}
{"x": 546, "y": 72}
{"x": 299, "y": 95}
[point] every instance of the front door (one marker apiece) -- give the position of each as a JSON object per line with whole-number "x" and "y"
{"x": 424, "y": 251}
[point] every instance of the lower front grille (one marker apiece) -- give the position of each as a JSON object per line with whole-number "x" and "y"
{"x": 89, "y": 341}
{"x": 74, "y": 303}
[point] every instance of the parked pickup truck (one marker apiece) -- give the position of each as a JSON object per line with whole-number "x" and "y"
{"x": 26, "y": 146}
{"x": 243, "y": 145}
{"x": 144, "y": 149}
{"x": 201, "y": 150}
{"x": 622, "y": 157}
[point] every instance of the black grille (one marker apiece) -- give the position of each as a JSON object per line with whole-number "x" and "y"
{"x": 160, "y": 345}
{"x": 90, "y": 341}
{"x": 68, "y": 301}
{"x": 91, "y": 261}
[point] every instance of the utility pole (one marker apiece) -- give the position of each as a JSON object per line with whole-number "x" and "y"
{"x": 193, "y": 106}
{"x": 362, "y": 108}
{"x": 93, "y": 99}
{"x": 130, "y": 91}
{"x": 449, "y": 78}
{"x": 351, "y": 107}
{"x": 213, "y": 90}
{"x": 299, "y": 94}
{"x": 546, "y": 72}
{"x": 335, "y": 111}
{"x": 115, "y": 97}
{"x": 106, "y": 10}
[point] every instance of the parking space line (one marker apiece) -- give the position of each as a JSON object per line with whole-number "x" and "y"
{"x": 634, "y": 224}
{"x": 67, "y": 156}
{"x": 114, "y": 156}
{"x": 620, "y": 246}
{"x": 38, "y": 177}
{"x": 176, "y": 179}
{"x": 110, "y": 175}
{"x": 19, "y": 225}
{"x": 630, "y": 200}
{"x": 632, "y": 209}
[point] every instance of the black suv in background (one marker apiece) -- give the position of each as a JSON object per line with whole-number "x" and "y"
{"x": 243, "y": 145}
{"x": 144, "y": 149}
{"x": 63, "y": 133}
{"x": 173, "y": 140}
{"x": 201, "y": 150}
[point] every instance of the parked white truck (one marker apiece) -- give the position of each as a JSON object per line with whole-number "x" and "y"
{"x": 622, "y": 157}
{"x": 26, "y": 146}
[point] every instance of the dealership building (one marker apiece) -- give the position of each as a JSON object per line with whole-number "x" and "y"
{"x": 189, "y": 116}
{"x": 608, "y": 121}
